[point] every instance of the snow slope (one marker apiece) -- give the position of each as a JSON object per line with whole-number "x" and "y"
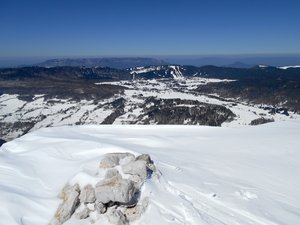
{"x": 210, "y": 175}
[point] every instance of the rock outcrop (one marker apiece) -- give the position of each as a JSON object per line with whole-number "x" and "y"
{"x": 87, "y": 194}
{"x": 2, "y": 142}
{"x": 113, "y": 159}
{"x": 136, "y": 168}
{"x": 115, "y": 189}
{"x": 70, "y": 196}
{"x": 261, "y": 120}
{"x": 116, "y": 197}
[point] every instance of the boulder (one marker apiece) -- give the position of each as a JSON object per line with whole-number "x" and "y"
{"x": 115, "y": 216}
{"x": 117, "y": 190}
{"x": 70, "y": 196}
{"x": 134, "y": 213}
{"x": 87, "y": 194}
{"x": 146, "y": 158}
{"x": 64, "y": 192}
{"x": 82, "y": 214}
{"x": 138, "y": 167}
{"x": 100, "y": 207}
{"x": 149, "y": 162}
{"x": 261, "y": 120}
{"x": 112, "y": 173}
{"x": 113, "y": 159}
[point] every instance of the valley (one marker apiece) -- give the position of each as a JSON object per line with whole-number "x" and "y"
{"x": 173, "y": 100}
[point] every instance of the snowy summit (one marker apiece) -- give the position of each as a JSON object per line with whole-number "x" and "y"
{"x": 206, "y": 175}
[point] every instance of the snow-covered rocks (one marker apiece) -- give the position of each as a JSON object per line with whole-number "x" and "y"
{"x": 113, "y": 159}
{"x": 116, "y": 196}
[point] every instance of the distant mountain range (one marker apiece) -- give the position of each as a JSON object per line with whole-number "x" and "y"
{"x": 118, "y": 63}
{"x": 147, "y": 72}
{"x": 239, "y": 65}
{"x": 123, "y": 62}
{"x": 130, "y": 62}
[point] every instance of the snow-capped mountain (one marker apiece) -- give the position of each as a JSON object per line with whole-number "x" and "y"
{"x": 175, "y": 72}
{"x": 287, "y": 67}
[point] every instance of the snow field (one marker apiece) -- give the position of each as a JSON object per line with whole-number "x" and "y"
{"x": 209, "y": 175}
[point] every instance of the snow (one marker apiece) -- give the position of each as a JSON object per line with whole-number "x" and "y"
{"x": 45, "y": 112}
{"x": 139, "y": 70}
{"x": 263, "y": 66}
{"x": 246, "y": 175}
{"x": 287, "y": 67}
{"x": 9, "y": 103}
{"x": 176, "y": 73}
{"x": 244, "y": 112}
{"x": 51, "y": 112}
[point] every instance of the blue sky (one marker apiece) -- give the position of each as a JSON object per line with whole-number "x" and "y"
{"x": 128, "y": 27}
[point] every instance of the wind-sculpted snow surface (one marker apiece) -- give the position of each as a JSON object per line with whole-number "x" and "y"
{"x": 208, "y": 175}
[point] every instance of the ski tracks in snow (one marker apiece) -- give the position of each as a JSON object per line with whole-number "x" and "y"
{"x": 188, "y": 205}
{"x": 197, "y": 205}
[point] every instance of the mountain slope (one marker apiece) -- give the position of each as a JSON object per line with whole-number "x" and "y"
{"x": 259, "y": 85}
{"x": 34, "y": 97}
{"x": 63, "y": 73}
{"x": 222, "y": 176}
{"x": 118, "y": 63}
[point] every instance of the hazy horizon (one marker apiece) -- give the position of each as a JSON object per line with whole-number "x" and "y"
{"x": 197, "y": 60}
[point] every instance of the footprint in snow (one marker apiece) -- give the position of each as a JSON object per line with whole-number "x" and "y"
{"x": 178, "y": 169}
{"x": 246, "y": 195}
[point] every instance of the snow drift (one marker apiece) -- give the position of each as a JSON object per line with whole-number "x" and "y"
{"x": 209, "y": 175}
